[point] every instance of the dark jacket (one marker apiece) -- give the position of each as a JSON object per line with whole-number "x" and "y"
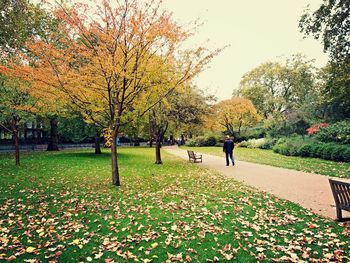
{"x": 228, "y": 146}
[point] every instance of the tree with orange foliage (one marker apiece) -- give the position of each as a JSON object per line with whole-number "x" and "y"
{"x": 19, "y": 20}
{"x": 108, "y": 64}
{"x": 234, "y": 114}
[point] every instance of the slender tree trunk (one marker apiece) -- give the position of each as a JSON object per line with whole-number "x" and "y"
{"x": 239, "y": 128}
{"x": 97, "y": 143}
{"x": 150, "y": 131}
{"x": 16, "y": 141}
{"x": 53, "y": 142}
{"x": 158, "y": 146}
{"x": 115, "y": 169}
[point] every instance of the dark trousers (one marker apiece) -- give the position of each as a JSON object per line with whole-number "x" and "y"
{"x": 229, "y": 154}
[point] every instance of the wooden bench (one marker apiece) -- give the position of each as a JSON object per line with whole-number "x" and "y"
{"x": 341, "y": 194}
{"x": 196, "y": 158}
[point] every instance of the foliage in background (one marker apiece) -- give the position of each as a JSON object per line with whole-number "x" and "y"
{"x": 234, "y": 115}
{"x": 310, "y": 148}
{"x": 280, "y": 126}
{"x": 75, "y": 129}
{"x": 331, "y": 23}
{"x": 188, "y": 111}
{"x": 278, "y": 88}
{"x": 206, "y": 140}
{"x": 290, "y": 145}
{"x": 19, "y": 21}
{"x": 262, "y": 143}
{"x": 316, "y": 127}
{"x": 338, "y": 132}
{"x": 327, "y": 151}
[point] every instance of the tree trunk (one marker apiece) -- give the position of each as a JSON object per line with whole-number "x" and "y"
{"x": 53, "y": 142}
{"x": 182, "y": 139}
{"x": 97, "y": 143}
{"x": 158, "y": 146}
{"x": 115, "y": 169}
{"x": 239, "y": 127}
{"x": 16, "y": 141}
{"x": 151, "y": 143}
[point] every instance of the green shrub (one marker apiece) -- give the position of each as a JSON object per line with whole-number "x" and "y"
{"x": 191, "y": 143}
{"x": 289, "y": 146}
{"x": 269, "y": 143}
{"x": 327, "y": 151}
{"x": 200, "y": 141}
{"x": 305, "y": 150}
{"x": 338, "y": 132}
{"x": 210, "y": 141}
{"x": 346, "y": 154}
{"x": 314, "y": 149}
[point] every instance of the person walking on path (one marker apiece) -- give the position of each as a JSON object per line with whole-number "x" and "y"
{"x": 228, "y": 150}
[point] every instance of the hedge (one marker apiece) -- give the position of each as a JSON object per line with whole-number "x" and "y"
{"x": 327, "y": 151}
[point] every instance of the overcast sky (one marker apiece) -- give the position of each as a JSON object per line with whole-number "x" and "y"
{"x": 256, "y": 30}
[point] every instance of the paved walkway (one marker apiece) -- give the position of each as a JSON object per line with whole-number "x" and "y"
{"x": 311, "y": 191}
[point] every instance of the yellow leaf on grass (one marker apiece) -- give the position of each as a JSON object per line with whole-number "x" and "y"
{"x": 30, "y": 249}
{"x": 154, "y": 245}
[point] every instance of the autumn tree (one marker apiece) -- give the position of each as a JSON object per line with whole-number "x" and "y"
{"x": 104, "y": 63}
{"x": 233, "y": 115}
{"x": 19, "y": 20}
{"x": 16, "y": 107}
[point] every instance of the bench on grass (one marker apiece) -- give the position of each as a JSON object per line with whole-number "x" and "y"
{"x": 196, "y": 158}
{"x": 341, "y": 194}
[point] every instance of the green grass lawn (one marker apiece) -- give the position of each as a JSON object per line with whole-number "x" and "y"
{"x": 61, "y": 207}
{"x": 311, "y": 165}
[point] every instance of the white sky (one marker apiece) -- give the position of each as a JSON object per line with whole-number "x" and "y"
{"x": 256, "y": 30}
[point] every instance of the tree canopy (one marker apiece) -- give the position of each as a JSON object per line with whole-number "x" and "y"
{"x": 276, "y": 88}
{"x": 331, "y": 23}
{"x": 233, "y": 115}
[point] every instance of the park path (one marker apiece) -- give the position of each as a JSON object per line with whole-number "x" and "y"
{"x": 311, "y": 191}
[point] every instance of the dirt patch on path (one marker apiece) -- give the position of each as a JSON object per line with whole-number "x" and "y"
{"x": 311, "y": 191}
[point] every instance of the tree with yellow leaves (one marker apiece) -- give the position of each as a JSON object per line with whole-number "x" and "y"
{"x": 108, "y": 63}
{"x": 233, "y": 115}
